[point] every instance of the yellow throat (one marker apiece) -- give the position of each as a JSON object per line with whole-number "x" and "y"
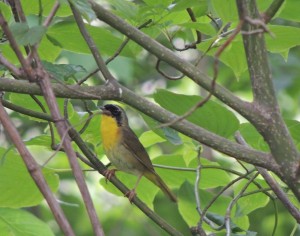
{"x": 110, "y": 132}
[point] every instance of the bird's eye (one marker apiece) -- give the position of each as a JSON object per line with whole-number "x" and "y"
{"x": 115, "y": 111}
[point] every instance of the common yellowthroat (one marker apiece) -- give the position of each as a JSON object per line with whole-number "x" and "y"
{"x": 124, "y": 150}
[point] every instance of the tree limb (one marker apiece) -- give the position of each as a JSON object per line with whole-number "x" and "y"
{"x": 108, "y": 92}
{"x": 272, "y": 127}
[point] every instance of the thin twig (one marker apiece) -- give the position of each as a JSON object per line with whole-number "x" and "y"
{"x": 25, "y": 64}
{"x": 198, "y": 34}
{"x": 260, "y": 23}
{"x": 197, "y": 181}
{"x": 12, "y": 68}
{"x": 273, "y": 184}
{"x": 35, "y": 172}
{"x": 234, "y": 200}
{"x": 20, "y": 11}
{"x": 19, "y": 16}
{"x": 91, "y": 44}
{"x": 157, "y": 67}
{"x": 124, "y": 43}
{"x": 204, "y": 211}
{"x": 117, "y": 53}
{"x": 51, "y": 14}
{"x": 214, "y": 21}
{"x": 196, "y": 190}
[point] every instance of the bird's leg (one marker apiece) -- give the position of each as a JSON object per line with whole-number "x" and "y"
{"x": 131, "y": 194}
{"x": 109, "y": 173}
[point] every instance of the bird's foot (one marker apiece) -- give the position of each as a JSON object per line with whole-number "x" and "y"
{"x": 109, "y": 173}
{"x": 130, "y": 194}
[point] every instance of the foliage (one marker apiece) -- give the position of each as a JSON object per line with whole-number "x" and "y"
{"x": 215, "y": 193}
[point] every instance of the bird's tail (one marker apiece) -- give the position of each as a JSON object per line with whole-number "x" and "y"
{"x": 154, "y": 178}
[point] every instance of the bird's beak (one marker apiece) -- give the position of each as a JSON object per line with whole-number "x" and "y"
{"x": 104, "y": 111}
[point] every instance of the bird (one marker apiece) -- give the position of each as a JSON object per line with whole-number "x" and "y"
{"x": 125, "y": 152}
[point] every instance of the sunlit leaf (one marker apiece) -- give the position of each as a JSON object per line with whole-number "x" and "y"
{"x": 25, "y": 35}
{"x": 16, "y": 185}
{"x": 16, "y": 222}
{"x": 251, "y": 202}
{"x": 67, "y": 36}
{"x": 63, "y": 71}
{"x": 207, "y": 116}
{"x": 85, "y": 9}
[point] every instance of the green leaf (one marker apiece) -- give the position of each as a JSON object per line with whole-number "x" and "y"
{"x": 220, "y": 220}
{"x": 167, "y": 133}
{"x": 145, "y": 190}
{"x": 226, "y": 10}
{"x": 26, "y": 101}
{"x": 187, "y": 204}
{"x": 202, "y": 27}
{"x": 127, "y": 10}
{"x": 158, "y": 3}
{"x": 233, "y": 56}
{"x": 172, "y": 135}
{"x": 47, "y": 51}
{"x": 85, "y": 9}
{"x": 181, "y": 5}
{"x": 92, "y": 134}
{"x": 150, "y": 138}
{"x": 207, "y": 116}
{"x": 294, "y": 128}
{"x": 63, "y": 71}
{"x": 210, "y": 177}
{"x": 67, "y": 36}
{"x": 249, "y": 203}
{"x": 16, "y": 222}
{"x": 290, "y": 10}
{"x": 16, "y": 185}
{"x": 41, "y": 140}
{"x": 253, "y": 138}
{"x": 33, "y": 7}
{"x": 285, "y": 38}
{"x": 5, "y": 10}
{"x": 25, "y": 35}
{"x": 172, "y": 177}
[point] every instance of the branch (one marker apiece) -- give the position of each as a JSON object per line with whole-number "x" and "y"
{"x": 35, "y": 172}
{"x": 61, "y": 90}
{"x": 25, "y": 64}
{"x": 272, "y": 126}
{"x": 92, "y": 46}
{"x": 272, "y": 10}
{"x": 46, "y": 87}
{"x": 100, "y": 167}
{"x": 14, "y": 70}
{"x": 110, "y": 92}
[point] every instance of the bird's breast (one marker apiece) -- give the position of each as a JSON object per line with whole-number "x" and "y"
{"x": 110, "y": 132}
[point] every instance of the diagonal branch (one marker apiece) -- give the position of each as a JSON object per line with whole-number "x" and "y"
{"x": 272, "y": 10}
{"x": 108, "y": 92}
{"x": 44, "y": 83}
{"x": 90, "y": 42}
{"x": 99, "y": 166}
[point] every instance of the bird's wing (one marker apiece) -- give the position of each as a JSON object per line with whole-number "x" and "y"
{"x": 133, "y": 144}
